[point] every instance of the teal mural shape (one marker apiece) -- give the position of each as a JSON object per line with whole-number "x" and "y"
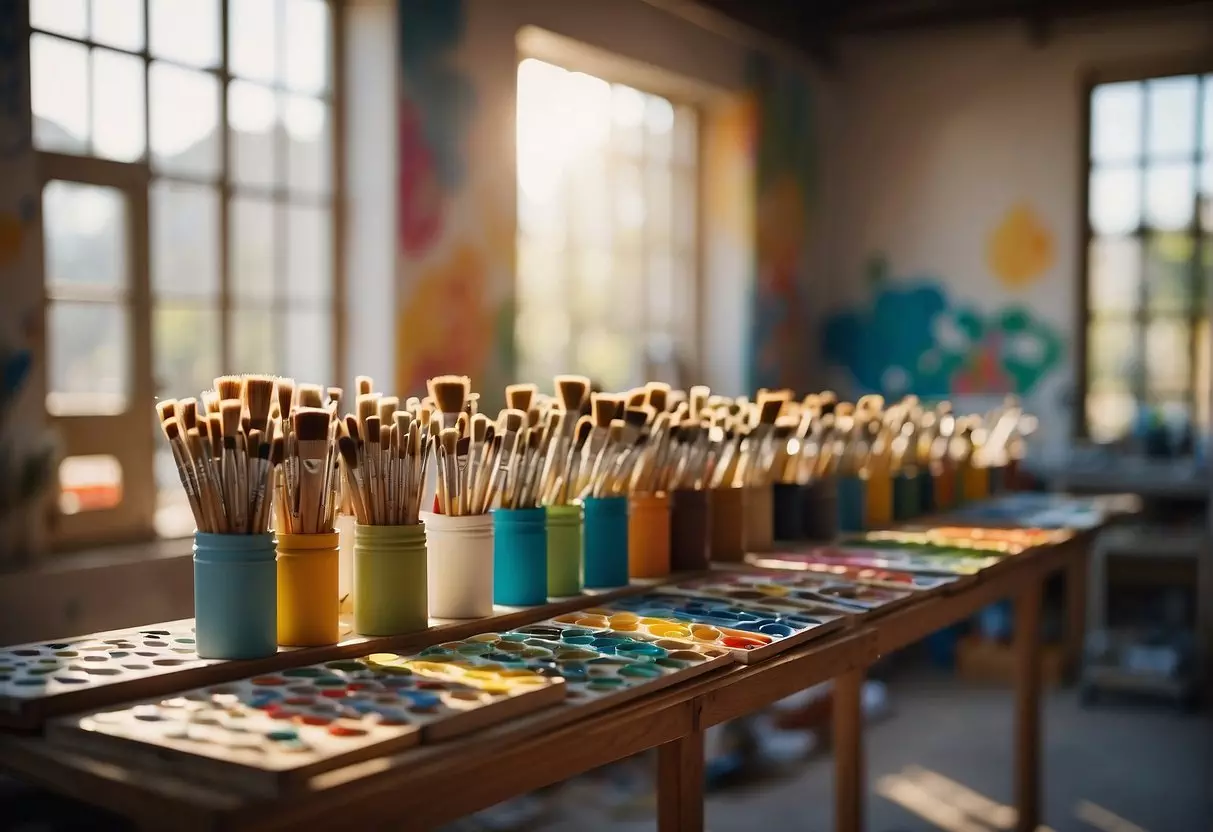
{"x": 912, "y": 338}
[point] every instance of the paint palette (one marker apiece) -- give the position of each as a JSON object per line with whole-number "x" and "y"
{"x": 268, "y": 733}
{"x": 52, "y": 677}
{"x": 806, "y": 593}
{"x": 750, "y": 631}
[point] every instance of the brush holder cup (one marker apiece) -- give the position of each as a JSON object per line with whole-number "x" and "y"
{"x": 906, "y": 501}
{"x": 821, "y": 510}
{"x": 390, "y": 582}
{"x": 564, "y": 550}
{"x": 235, "y": 596}
{"x": 852, "y": 496}
{"x": 926, "y": 490}
{"x": 520, "y": 556}
{"x": 943, "y": 475}
{"x": 878, "y": 503}
{"x": 345, "y": 568}
{"x": 309, "y": 576}
{"x": 975, "y": 483}
{"x": 728, "y": 525}
{"x": 997, "y": 479}
{"x": 789, "y": 511}
{"x": 459, "y": 565}
{"x": 649, "y": 535}
{"x": 605, "y": 542}
{"x": 759, "y": 517}
{"x": 690, "y": 530}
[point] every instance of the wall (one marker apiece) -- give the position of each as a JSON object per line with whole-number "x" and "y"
{"x": 955, "y": 254}
{"x": 456, "y": 183}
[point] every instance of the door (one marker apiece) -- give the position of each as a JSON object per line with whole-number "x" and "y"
{"x": 97, "y": 349}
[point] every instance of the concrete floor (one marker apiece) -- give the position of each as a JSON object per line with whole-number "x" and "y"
{"x": 942, "y": 760}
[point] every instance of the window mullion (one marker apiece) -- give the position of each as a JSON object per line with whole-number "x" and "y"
{"x": 1143, "y": 236}
{"x": 225, "y": 197}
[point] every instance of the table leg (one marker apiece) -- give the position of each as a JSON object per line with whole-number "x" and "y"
{"x": 680, "y": 784}
{"x": 849, "y": 774}
{"x": 1027, "y": 707}
{"x": 1076, "y": 611}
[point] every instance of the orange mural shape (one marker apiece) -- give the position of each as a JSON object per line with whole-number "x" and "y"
{"x": 1021, "y": 248}
{"x": 446, "y": 322}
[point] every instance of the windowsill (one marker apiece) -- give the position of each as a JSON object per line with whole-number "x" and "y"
{"x": 101, "y": 557}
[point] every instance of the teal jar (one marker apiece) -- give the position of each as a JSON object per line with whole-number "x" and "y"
{"x": 852, "y": 504}
{"x": 520, "y": 556}
{"x": 907, "y": 501}
{"x": 235, "y": 595}
{"x": 604, "y": 542}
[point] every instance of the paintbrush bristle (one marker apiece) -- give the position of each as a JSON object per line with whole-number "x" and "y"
{"x": 187, "y": 413}
{"x": 367, "y": 405}
{"x": 769, "y": 405}
{"x": 370, "y": 432}
{"x": 637, "y": 417}
{"x": 414, "y": 438}
{"x": 385, "y": 436}
{"x": 364, "y": 385}
{"x": 284, "y": 393}
{"x": 449, "y": 439}
{"x": 635, "y": 397}
{"x": 311, "y": 395}
{"x": 435, "y": 426}
{"x": 490, "y": 431}
{"x": 520, "y": 396}
{"x": 278, "y": 450}
{"x": 698, "y": 399}
{"x": 215, "y": 424}
{"x": 581, "y": 431}
{"x": 229, "y": 417}
{"x": 348, "y": 449}
{"x": 386, "y": 409}
{"x": 258, "y": 396}
{"x": 351, "y": 426}
{"x": 463, "y": 424}
{"x": 615, "y": 430}
{"x": 229, "y": 387}
{"x": 172, "y": 430}
{"x": 657, "y": 395}
{"x": 571, "y": 391}
{"x": 602, "y": 409}
{"x": 472, "y": 406}
{"x": 166, "y": 410}
{"x": 335, "y": 394}
{"x": 480, "y": 427}
{"x": 464, "y": 446}
{"x": 402, "y": 419}
{"x": 512, "y": 420}
{"x": 533, "y": 417}
{"x": 210, "y": 402}
{"x": 193, "y": 442}
{"x": 449, "y": 392}
{"x": 310, "y": 423}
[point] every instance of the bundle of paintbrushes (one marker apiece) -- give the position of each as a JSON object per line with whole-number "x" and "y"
{"x": 751, "y": 447}
{"x": 226, "y": 454}
{"x": 384, "y": 452}
{"x": 307, "y": 487}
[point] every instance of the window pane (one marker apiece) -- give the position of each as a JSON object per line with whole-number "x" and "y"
{"x": 660, "y": 280}
{"x": 543, "y": 340}
{"x": 67, "y": 17}
{"x": 659, "y": 196}
{"x": 118, "y": 23}
{"x": 254, "y": 347}
{"x": 117, "y": 106}
{"x": 185, "y": 240}
{"x": 309, "y": 150}
{"x": 1115, "y": 201}
{"x": 1116, "y": 114}
{"x": 59, "y": 94}
{"x": 185, "y": 121}
{"x": 85, "y": 236}
{"x": 627, "y": 117}
{"x": 541, "y": 271}
{"x": 1170, "y": 196}
{"x": 1115, "y": 274}
{"x": 1110, "y": 410}
{"x": 1167, "y": 356}
{"x": 684, "y": 209}
{"x": 593, "y": 286}
{"x": 1110, "y": 349}
{"x": 686, "y": 139}
{"x": 1172, "y": 113}
{"x": 252, "y": 27}
{"x": 1206, "y": 108}
{"x": 659, "y": 119}
{"x": 87, "y": 358}
{"x": 1204, "y": 357}
{"x": 609, "y": 359}
{"x": 1169, "y": 272}
{"x": 186, "y": 341}
{"x": 309, "y": 345}
{"x": 309, "y": 260}
{"x": 307, "y": 45}
{"x": 252, "y": 233}
{"x": 89, "y": 483}
{"x": 630, "y": 208}
{"x": 1206, "y": 192}
{"x": 590, "y": 205}
{"x": 186, "y": 31}
{"x": 251, "y": 117}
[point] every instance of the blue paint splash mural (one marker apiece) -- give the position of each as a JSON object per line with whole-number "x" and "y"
{"x": 912, "y": 338}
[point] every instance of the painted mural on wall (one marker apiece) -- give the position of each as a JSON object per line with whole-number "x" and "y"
{"x": 454, "y": 260}
{"x": 913, "y": 338}
{"x": 1020, "y": 249}
{"x": 786, "y": 166}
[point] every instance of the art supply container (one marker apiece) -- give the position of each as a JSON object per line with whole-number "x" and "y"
{"x": 520, "y": 556}
{"x": 821, "y": 510}
{"x": 345, "y": 565}
{"x": 975, "y": 483}
{"x": 604, "y": 543}
{"x": 309, "y": 576}
{"x": 690, "y": 530}
{"x": 235, "y": 596}
{"x": 789, "y": 511}
{"x": 944, "y": 476}
{"x": 997, "y": 479}
{"x": 649, "y": 535}
{"x": 390, "y": 580}
{"x": 906, "y": 501}
{"x": 852, "y": 496}
{"x": 926, "y": 490}
{"x": 459, "y": 562}
{"x": 728, "y": 524}
{"x": 564, "y": 550}
{"x": 758, "y": 515}
{"x": 878, "y": 506}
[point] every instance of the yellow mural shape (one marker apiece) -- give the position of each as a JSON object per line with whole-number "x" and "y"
{"x": 1021, "y": 248}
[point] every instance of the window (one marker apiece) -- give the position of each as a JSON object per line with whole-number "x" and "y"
{"x": 1149, "y": 263}
{"x": 606, "y": 229}
{"x": 188, "y": 214}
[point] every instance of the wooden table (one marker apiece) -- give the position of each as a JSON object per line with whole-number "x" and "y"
{"x": 432, "y": 785}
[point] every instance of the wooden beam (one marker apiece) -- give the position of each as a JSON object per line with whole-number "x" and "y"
{"x": 1027, "y": 707}
{"x": 680, "y": 784}
{"x": 850, "y": 778}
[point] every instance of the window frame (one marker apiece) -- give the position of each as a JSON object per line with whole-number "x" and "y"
{"x": 142, "y": 300}
{"x": 1137, "y": 72}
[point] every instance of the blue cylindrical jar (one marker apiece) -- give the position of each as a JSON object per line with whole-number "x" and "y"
{"x": 235, "y": 595}
{"x": 852, "y": 508}
{"x": 520, "y": 557}
{"x": 605, "y": 543}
